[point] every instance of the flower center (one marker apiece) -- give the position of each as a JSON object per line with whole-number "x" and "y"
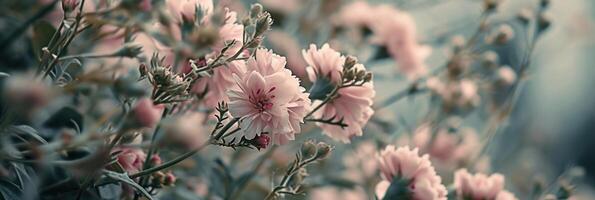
{"x": 262, "y": 100}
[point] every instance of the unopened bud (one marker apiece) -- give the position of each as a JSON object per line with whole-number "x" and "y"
{"x": 505, "y": 33}
{"x": 263, "y": 23}
{"x": 368, "y": 77}
{"x": 323, "y": 150}
{"x": 129, "y": 51}
{"x": 506, "y": 75}
{"x": 544, "y": 21}
{"x": 255, "y": 10}
{"x": 308, "y": 149}
{"x": 490, "y": 5}
{"x": 169, "y": 179}
{"x": 350, "y": 61}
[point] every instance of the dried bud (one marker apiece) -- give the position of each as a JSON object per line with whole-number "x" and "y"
{"x": 255, "y": 42}
{"x": 308, "y": 149}
{"x": 505, "y": 33}
{"x": 323, "y": 150}
{"x": 255, "y": 10}
{"x": 350, "y": 61}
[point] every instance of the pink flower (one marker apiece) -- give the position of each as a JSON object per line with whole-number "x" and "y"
{"x": 355, "y": 14}
{"x": 353, "y": 104}
{"x": 146, "y": 113}
{"x": 480, "y": 186}
{"x": 417, "y": 172}
{"x": 396, "y": 31}
{"x": 267, "y": 98}
{"x": 187, "y": 131}
{"x": 131, "y": 159}
{"x": 332, "y": 193}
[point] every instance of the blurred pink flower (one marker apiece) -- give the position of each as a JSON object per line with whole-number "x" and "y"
{"x": 406, "y": 164}
{"x": 448, "y": 148}
{"x": 267, "y": 98}
{"x": 146, "y": 113}
{"x": 332, "y": 193}
{"x": 358, "y": 165}
{"x": 355, "y": 14}
{"x": 396, "y": 30}
{"x": 481, "y": 186}
{"x": 352, "y": 104}
{"x": 131, "y": 159}
{"x": 188, "y": 131}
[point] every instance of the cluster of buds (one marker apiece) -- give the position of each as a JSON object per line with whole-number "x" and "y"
{"x": 168, "y": 87}
{"x": 255, "y": 25}
{"x": 459, "y": 96}
{"x": 292, "y": 182}
{"x": 354, "y": 74}
{"x": 160, "y": 179}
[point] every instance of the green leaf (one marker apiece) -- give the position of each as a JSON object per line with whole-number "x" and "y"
{"x": 4, "y": 74}
{"x": 28, "y": 131}
{"x": 126, "y": 179}
{"x": 42, "y": 34}
{"x": 9, "y": 190}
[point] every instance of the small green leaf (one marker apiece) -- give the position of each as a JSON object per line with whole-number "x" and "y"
{"x": 9, "y": 190}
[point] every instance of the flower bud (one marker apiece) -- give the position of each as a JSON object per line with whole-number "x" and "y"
{"x": 323, "y": 150}
{"x": 490, "y": 5}
{"x": 368, "y": 77}
{"x": 146, "y": 114}
{"x": 544, "y": 21}
{"x": 261, "y": 141}
{"x": 505, "y": 33}
{"x": 169, "y": 179}
{"x": 350, "y": 61}
{"x": 506, "y": 75}
{"x": 308, "y": 149}
{"x": 490, "y": 59}
{"x": 263, "y": 23}
{"x": 255, "y": 10}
